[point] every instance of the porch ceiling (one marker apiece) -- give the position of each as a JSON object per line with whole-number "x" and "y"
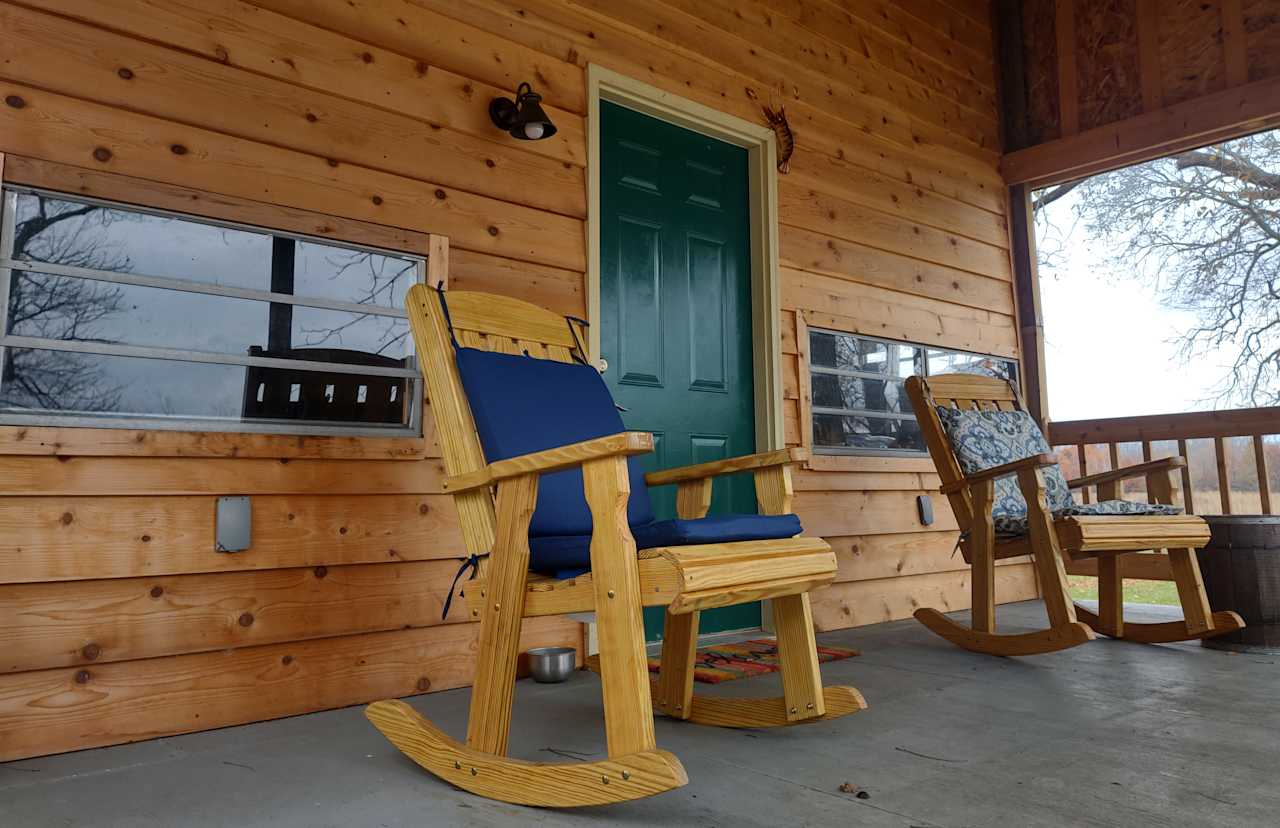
{"x": 1110, "y": 733}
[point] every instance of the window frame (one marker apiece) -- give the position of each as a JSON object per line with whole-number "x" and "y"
{"x": 412, "y": 429}
{"x": 814, "y": 409}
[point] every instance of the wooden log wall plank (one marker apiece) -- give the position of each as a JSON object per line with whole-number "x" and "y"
{"x": 78, "y": 538}
{"x": 72, "y": 58}
{"x": 875, "y": 65}
{"x": 409, "y": 29}
{"x": 806, "y": 207}
{"x": 247, "y": 36}
{"x": 71, "y": 131}
{"x": 51, "y": 711}
{"x": 684, "y": 25}
{"x": 901, "y": 199}
{"x": 556, "y": 29}
{"x": 870, "y": 557}
{"x": 857, "y": 603}
{"x": 55, "y": 441}
{"x": 806, "y": 249}
{"x": 870, "y": 512}
{"x": 95, "y": 622}
{"x": 897, "y": 41}
{"x": 29, "y": 476}
{"x": 866, "y": 309}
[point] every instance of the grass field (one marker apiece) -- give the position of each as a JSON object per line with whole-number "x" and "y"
{"x": 1135, "y": 592}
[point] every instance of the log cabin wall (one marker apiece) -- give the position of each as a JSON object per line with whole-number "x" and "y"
{"x": 366, "y": 120}
{"x": 1091, "y": 85}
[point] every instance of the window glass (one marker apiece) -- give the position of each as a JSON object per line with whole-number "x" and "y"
{"x": 87, "y": 339}
{"x": 859, "y": 397}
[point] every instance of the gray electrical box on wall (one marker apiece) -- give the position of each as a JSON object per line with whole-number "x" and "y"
{"x": 234, "y": 524}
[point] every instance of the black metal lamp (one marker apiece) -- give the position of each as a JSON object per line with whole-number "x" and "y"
{"x": 522, "y": 118}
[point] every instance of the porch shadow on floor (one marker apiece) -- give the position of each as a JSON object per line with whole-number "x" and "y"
{"x": 1110, "y": 733}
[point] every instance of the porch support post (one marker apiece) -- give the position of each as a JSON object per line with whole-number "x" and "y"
{"x": 1026, "y": 290}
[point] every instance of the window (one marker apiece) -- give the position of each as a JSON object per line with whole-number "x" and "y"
{"x": 860, "y": 403}
{"x": 121, "y": 317}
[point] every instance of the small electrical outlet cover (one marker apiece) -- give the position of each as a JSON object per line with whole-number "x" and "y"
{"x": 924, "y": 504}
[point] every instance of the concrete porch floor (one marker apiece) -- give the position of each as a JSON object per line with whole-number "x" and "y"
{"x": 1106, "y": 734}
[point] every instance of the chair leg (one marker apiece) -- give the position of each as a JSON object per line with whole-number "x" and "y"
{"x": 1046, "y": 552}
{"x": 675, "y": 677}
{"x": 624, "y": 665}
{"x": 1186, "y": 569}
{"x": 1064, "y": 630}
{"x": 494, "y": 688}
{"x": 982, "y": 554}
{"x": 798, "y": 657}
{"x": 1110, "y": 597}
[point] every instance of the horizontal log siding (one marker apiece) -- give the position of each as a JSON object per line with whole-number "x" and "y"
{"x": 366, "y": 120}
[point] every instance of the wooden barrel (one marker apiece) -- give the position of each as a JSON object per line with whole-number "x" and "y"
{"x": 1241, "y": 568}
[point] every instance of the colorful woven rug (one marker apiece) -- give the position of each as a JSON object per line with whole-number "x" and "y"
{"x": 726, "y": 662}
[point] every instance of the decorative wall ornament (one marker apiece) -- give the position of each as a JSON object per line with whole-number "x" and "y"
{"x": 786, "y": 141}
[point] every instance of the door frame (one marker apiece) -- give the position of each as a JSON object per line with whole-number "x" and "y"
{"x": 761, "y": 146}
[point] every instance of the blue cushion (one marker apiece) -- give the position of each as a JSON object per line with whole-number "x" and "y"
{"x": 566, "y": 555}
{"x": 521, "y": 405}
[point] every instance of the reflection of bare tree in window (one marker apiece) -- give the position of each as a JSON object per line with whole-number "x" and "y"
{"x": 60, "y": 307}
{"x": 379, "y": 275}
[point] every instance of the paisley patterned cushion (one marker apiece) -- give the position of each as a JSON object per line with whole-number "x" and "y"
{"x": 984, "y": 439}
{"x": 1015, "y": 526}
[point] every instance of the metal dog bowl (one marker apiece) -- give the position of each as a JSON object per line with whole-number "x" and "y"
{"x": 552, "y": 664}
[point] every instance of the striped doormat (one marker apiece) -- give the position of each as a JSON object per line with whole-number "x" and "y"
{"x": 726, "y": 662}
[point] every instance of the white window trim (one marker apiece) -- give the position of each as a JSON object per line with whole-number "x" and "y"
{"x": 8, "y": 206}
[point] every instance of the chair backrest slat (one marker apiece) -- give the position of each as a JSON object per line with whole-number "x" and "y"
{"x": 513, "y": 319}
{"x": 488, "y": 322}
{"x": 965, "y": 392}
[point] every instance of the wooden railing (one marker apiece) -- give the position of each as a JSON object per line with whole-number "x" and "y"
{"x": 1163, "y": 435}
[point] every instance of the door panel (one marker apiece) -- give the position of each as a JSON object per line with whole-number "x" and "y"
{"x": 675, "y": 295}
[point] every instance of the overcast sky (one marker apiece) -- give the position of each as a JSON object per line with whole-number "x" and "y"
{"x": 1109, "y": 349}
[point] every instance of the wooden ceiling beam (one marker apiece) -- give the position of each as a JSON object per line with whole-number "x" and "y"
{"x": 1216, "y": 117}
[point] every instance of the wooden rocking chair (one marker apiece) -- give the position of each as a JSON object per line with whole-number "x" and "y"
{"x": 517, "y": 337}
{"x": 1107, "y": 537}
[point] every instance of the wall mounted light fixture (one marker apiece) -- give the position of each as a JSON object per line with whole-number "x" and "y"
{"x": 522, "y": 118}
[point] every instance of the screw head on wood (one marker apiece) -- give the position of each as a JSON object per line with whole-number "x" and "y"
{"x": 626, "y": 775}
{"x": 457, "y": 765}
{"x": 610, "y": 593}
{"x": 793, "y": 710}
{"x": 82, "y": 677}
{"x": 809, "y": 705}
{"x": 102, "y": 154}
{"x": 246, "y": 619}
{"x": 474, "y": 771}
{"x": 15, "y": 101}
{"x": 90, "y": 652}
{"x": 157, "y": 591}
{"x": 604, "y": 779}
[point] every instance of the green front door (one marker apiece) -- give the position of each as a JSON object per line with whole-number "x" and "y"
{"x": 675, "y": 297}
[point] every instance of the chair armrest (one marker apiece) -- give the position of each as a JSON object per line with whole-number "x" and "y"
{"x": 553, "y": 459}
{"x": 1035, "y": 461}
{"x": 715, "y": 468}
{"x": 1140, "y": 470}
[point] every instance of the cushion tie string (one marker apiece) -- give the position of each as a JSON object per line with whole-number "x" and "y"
{"x": 448, "y": 321}
{"x": 579, "y": 355}
{"x": 474, "y": 563}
